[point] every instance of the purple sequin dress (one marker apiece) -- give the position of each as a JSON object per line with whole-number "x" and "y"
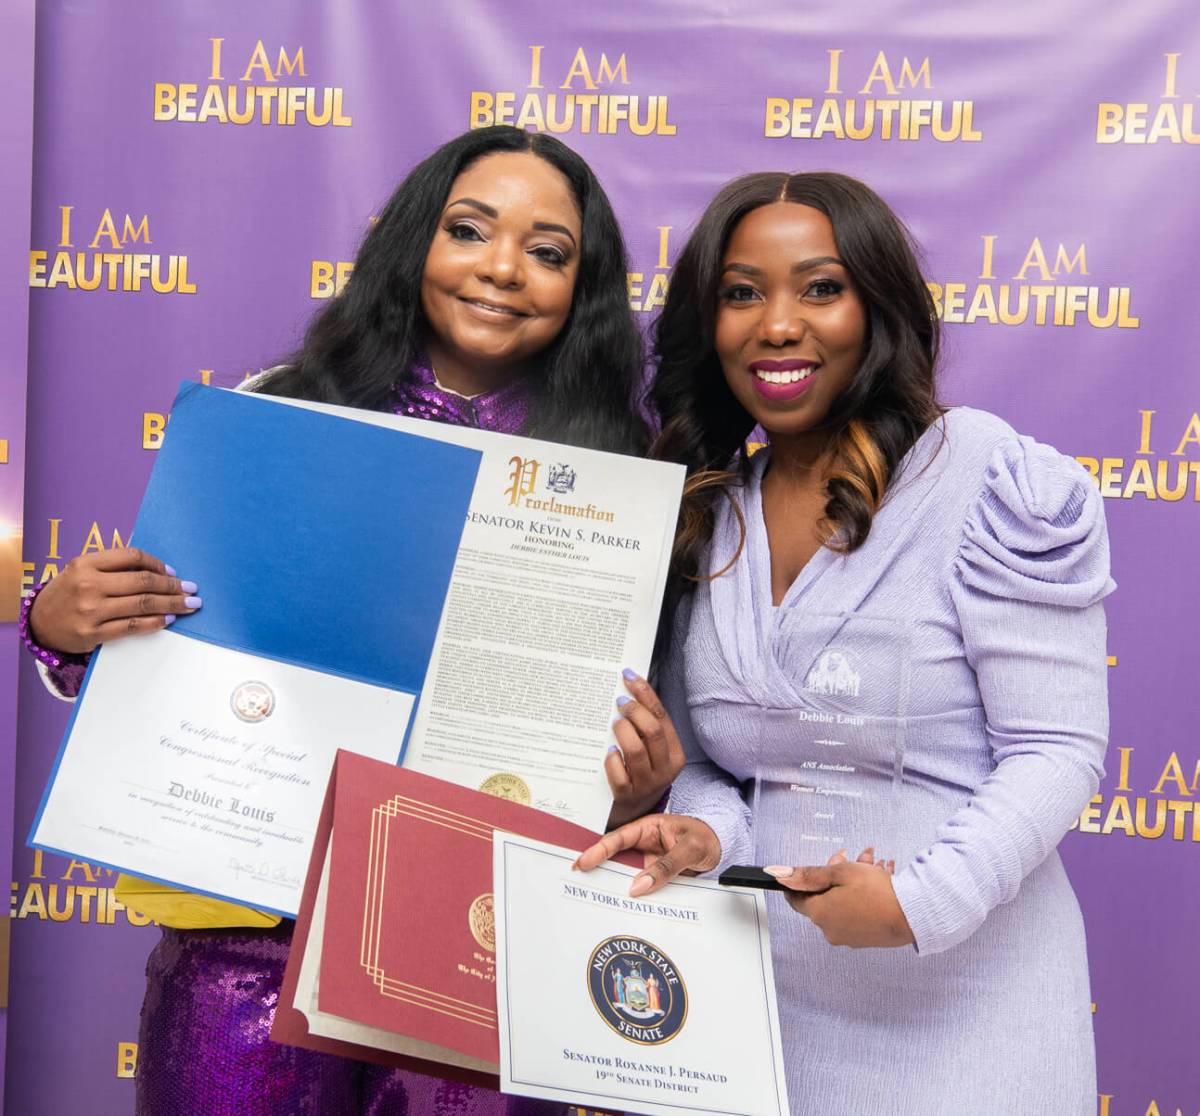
{"x": 204, "y": 1048}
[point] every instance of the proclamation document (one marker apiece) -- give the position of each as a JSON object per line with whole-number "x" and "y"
{"x": 661, "y": 1005}
{"x": 556, "y": 589}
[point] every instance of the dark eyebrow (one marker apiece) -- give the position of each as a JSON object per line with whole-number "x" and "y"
{"x": 803, "y": 265}
{"x": 489, "y": 211}
{"x": 486, "y": 210}
{"x": 545, "y": 226}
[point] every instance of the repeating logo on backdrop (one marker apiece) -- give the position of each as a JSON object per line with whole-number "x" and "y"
{"x": 108, "y": 251}
{"x": 1171, "y": 118}
{"x": 1035, "y": 281}
{"x": 260, "y": 95}
{"x": 895, "y": 102}
{"x": 1165, "y": 465}
{"x": 588, "y": 98}
{"x": 637, "y": 990}
{"x": 252, "y": 702}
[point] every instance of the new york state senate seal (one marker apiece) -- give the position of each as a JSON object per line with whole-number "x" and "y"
{"x": 510, "y": 787}
{"x": 637, "y": 990}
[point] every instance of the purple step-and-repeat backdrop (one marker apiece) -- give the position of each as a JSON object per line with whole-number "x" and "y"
{"x": 16, "y": 147}
{"x": 201, "y": 177}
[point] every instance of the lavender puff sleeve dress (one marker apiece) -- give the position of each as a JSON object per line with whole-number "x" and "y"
{"x": 991, "y": 552}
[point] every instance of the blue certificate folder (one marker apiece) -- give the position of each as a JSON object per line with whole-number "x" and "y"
{"x": 323, "y": 548}
{"x": 314, "y": 539}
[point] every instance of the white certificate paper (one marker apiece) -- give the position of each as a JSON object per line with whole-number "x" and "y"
{"x": 661, "y": 1005}
{"x": 217, "y": 785}
{"x": 557, "y": 588}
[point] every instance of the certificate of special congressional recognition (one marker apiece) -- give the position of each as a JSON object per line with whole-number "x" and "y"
{"x": 198, "y": 756}
{"x": 556, "y": 588}
{"x": 661, "y": 1005}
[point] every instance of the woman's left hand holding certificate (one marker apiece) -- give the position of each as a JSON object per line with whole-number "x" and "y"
{"x": 106, "y": 595}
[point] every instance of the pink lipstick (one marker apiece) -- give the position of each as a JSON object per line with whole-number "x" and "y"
{"x": 782, "y": 380}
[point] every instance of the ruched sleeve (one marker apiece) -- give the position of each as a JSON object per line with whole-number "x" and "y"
{"x": 702, "y": 789}
{"x": 1031, "y": 571}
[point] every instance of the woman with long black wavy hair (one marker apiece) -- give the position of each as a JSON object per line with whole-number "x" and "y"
{"x": 888, "y": 632}
{"x": 491, "y": 292}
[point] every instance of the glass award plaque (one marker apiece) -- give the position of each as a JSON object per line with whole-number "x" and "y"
{"x": 830, "y": 760}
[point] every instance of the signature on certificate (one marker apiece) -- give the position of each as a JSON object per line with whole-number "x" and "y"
{"x": 263, "y": 871}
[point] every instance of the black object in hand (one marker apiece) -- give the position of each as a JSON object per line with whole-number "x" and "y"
{"x": 743, "y": 875}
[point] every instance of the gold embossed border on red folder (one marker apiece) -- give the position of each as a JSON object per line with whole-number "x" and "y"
{"x": 373, "y": 924}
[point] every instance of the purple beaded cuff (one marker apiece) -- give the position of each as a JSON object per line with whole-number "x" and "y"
{"x": 55, "y": 660}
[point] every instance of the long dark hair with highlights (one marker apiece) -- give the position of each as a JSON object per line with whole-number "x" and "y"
{"x": 356, "y": 348}
{"x": 888, "y": 404}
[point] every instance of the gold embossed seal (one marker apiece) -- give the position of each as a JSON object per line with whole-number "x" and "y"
{"x": 507, "y": 786}
{"x": 482, "y": 917}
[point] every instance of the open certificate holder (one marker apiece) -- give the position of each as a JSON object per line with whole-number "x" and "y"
{"x": 662, "y": 1005}
{"x": 198, "y": 756}
{"x": 393, "y": 957}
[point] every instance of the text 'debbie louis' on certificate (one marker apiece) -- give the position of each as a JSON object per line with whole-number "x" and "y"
{"x": 660, "y": 1005}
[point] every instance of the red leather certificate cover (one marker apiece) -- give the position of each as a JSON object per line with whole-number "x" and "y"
{"x": 409, "y": 937}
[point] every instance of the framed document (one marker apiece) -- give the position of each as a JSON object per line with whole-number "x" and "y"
{"x": 661, "y": 1005}
{"x": 394, "y": 954}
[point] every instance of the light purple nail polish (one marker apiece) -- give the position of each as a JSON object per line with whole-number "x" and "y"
{"x": 193, "y": 602}
{"x": 188, "y": 587}
{"x": 170, "y": 570}
{"x": 629, "y": 675}
{"x": 613, "y": 748}
{"x": 623, "y": 701}
{"x": 168, "y": 620}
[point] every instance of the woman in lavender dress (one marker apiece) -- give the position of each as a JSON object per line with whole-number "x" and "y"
{"x": 888, "y": 629}
{"x": 491, "y": 293}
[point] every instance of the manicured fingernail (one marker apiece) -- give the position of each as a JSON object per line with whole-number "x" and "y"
{"x": 188, "y": 586}
{"x": 778, "y": 871}
{"x": 641, "y": 885}
{"x": 170, "y": 570}
{"x": 613, "y": 748}
{"x": 193, "y": 602}
{"x": 623, "y": 701}
{"x": 629, "y": 675}
{"x": 168, "y": 620}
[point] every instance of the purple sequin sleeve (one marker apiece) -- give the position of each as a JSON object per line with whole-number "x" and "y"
{"x": 63, "y": 670}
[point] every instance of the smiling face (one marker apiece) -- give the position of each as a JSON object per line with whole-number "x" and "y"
{"x": 790, "y": 326}
{"x": 501, "y": 268}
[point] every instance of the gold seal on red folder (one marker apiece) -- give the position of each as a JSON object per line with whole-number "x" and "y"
{"x": 507, "y": 786}
{"x": 482, "y": 917}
